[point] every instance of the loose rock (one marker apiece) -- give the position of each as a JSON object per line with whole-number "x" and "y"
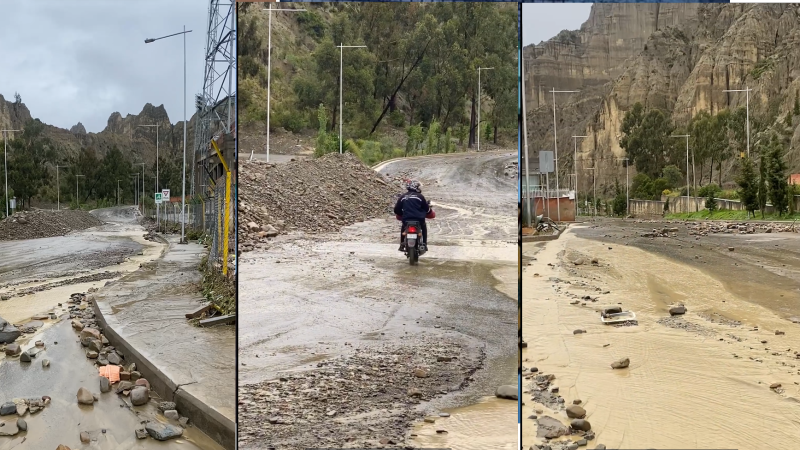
{"x": 621, "y": 364}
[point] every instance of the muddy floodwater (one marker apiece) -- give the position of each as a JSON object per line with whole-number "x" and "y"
{"x": 310, "y": 299}
{"x": 38, "y": 277}
{"x": 724, "y": 375}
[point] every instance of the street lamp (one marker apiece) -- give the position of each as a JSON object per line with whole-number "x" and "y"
{"x": 118, "y": 192}
{"x": 575, "y": 168}
{"x": 479, "y": 103}
{"x": 531, "y": 214}
{"x": 747, "y": 90}
{"x": 627, "y": 198}
{"x": 142, "y": 164}
{"x": 555, "y": 145}
{"x": 136, "y": 188}
{"x": 58, "y": 188}
{"x": 687, "y": 167}
{"x": 183, "y": 178}
{"x": 77, "y": 196}
{"x": 341, "y": 71}
{"x": 594, "y": 192}
{"x": 269, "y": 68}
{"x": 5, "y": 162}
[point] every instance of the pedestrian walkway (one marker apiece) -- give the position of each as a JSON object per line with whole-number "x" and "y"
{"x": 143, "y": 315}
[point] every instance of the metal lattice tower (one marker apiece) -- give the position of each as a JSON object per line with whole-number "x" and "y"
{"x": 216, "y": 106}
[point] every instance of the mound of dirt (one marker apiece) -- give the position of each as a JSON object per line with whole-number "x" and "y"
{"x": 45, "y": 223}
{"x": 315, "y": 195}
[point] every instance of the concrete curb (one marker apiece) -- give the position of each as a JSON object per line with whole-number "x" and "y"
{"x": 547, "y": 238}
{"x": 208, "y": 420}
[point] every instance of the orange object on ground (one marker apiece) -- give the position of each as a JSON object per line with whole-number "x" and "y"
{"x": 111, "y": 372}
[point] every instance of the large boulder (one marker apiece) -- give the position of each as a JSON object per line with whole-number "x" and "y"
{"x": 162, "y": 432}
{"x": 550, "y": 428}
{"x": 677, "y": 310}
{"x": 8, "y": 333}
{"x": 508, "y": 391}
{"x": 580, "y": 424}
{"x": 575, "y": 412}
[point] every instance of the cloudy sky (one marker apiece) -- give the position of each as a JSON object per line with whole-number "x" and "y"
{"x": 82, "y": 60}
{"x": 542, "y": 21}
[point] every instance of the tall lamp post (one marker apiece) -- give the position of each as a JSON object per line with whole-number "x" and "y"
{"x": 687, "y": 167}
{"x": 575, "y": 168}
{"x": 142, "y": 164}
{"x": 341, "y": 72}
{"x": 269, "y": 68}
{"x": 5, "y": 162}
{"x": 555, "y": 145}
{"x": 58, "y": 189}
{"x": 77, "y": 196}
{"x": 479, "y": 103}
{"x": 747, "y": 90}
{"x": 183, "y": 178}
{"x": 627, "y": 198}
{"x": 527, "y": 193}
{"x": 594, "y": 192}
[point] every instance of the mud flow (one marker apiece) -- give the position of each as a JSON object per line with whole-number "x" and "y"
{"x": 731, "y": 351}
{"x": 339, "y": 325}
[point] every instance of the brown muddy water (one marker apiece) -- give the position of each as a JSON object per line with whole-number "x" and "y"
{"x": 701, "y": 380}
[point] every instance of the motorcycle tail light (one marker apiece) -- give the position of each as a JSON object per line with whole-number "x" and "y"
{"x": 412, "y": 229}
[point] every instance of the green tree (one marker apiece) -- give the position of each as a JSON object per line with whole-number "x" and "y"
{"x": 778, "y": 187}
{"x": 762, "y": 183}
{"x": 673, "y": 176}
{"x": 29, "y": 154}
{"x": 646, "y": 139}
{"x": 748, "y": 186}
{"x": 619, "y": 205}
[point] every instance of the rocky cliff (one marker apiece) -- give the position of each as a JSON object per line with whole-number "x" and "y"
{"x": 124, "y": 132}
{"x": 675, "y": 57}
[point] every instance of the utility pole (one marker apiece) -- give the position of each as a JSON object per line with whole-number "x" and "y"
{"x": 58, "y": 188}
{"x": 575, "y": 168}
{"x": 746, "y": 90}
{"x": 341, "y": 81}
{"x": 555, "y": 145}
{"x": 77, "y": 196}
{"x": 627, "y": 198}
{"x": 479, "y": 103}
{"x": 687, "y": 167}
{"x": 5, "y": 163}
{"x": 269, "y": 68}
{"x": 527, "y": 193}
{"x": 594, "y": 193}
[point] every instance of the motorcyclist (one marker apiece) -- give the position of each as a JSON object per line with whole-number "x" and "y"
{"x": 413, "y": 206}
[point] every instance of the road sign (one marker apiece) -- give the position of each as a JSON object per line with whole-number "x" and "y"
{"x": 158, "y": 198}
{"x": 165, "y": 194}
{"x": 546, "y": 161}
{"x": 13, "y": 203}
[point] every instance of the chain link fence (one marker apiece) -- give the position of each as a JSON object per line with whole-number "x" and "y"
{"x": 205, "y": 220}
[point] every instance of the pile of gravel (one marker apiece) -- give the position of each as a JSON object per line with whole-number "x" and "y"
{"x": 45, "y": 223}
{"x": 315, "y": 195}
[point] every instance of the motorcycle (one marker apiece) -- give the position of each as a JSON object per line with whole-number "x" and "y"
{"x": 412, "y": 238}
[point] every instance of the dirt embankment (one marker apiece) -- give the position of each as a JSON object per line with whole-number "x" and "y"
{"x": 316, "y": 195}
{"x": 41, "y": 223}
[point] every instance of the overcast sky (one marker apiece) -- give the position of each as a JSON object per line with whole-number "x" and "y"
{"x": 542, "y": 21}
{"x": 79, "y": 61}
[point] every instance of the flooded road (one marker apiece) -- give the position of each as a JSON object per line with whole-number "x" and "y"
{"x": 311, "y": 299}
{"x": 731, "y": 356}
{"x": 48, "y": 268}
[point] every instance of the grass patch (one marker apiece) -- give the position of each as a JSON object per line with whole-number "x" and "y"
{"x": 728, "y": 215}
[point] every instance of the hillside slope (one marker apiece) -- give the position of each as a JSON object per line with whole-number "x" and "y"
{"x": 674, "y": 57}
